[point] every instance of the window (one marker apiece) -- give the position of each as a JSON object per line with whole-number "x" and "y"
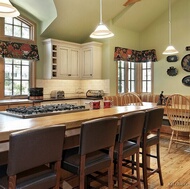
{"x": 17, "y": 28}
{"x": 131, "y": 76}
{"x": 17, "y": 77}
{"x": 121, "y": 76}
{"x": 146, "y": 77}
{"x": 134, "y": 77}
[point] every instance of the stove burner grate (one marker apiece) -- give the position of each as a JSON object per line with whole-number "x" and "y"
{"x": 44, "y": 110}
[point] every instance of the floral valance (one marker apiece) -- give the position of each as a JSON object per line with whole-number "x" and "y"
{"x": 134, "y": 56}
{"x": 18, "y": 50}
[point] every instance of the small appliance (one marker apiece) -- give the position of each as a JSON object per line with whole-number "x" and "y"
{"x": 35, "y": 93}
{"x": 95, "y": 93}
{"x": 57, "y": 94}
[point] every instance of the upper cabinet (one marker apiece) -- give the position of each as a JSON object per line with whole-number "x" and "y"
{"x": 62, "y": 59}
{"x": 91, "y": 60}
{"x": 66, "y": 60}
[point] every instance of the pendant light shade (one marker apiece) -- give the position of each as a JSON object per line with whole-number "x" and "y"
{"x": 170, "y": 49}
{"x": 101, "y": 30}
{"x": 7, "y": 9}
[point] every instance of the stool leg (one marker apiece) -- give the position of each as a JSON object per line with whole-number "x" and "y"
{"x": 144, "y": 160}
{"x": 110, "y": 169}
{"x": 120, "y": 182}
{"x": 138, "y": 170}
{"x": 159, "y": 164}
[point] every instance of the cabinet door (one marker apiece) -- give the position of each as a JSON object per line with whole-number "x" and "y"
{"x": 68, "y": 62}
{"x": 87, "y": 63}
{"x": 91, "y": 60}
{"x": 63, "y": 62}
{"x": 74, "y": 63}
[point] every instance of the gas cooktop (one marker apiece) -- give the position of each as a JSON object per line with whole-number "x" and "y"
{"x": 44, "y": 110}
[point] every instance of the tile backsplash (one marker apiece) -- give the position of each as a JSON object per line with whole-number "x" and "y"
{"x": 73, "y": 87}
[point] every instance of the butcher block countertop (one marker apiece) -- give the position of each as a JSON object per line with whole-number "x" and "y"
{"x": 73, "y": 120}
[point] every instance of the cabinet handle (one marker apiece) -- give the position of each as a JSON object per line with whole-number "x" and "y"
{"x": 90, "y": 74}
{"x": 69, "y": 74}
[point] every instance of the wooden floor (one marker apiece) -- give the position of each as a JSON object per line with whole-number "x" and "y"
{"x": 175, "y": 167}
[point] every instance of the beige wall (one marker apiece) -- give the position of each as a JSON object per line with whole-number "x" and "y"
{"x": 156, "y": 36}
{"x": 122, "y": 38}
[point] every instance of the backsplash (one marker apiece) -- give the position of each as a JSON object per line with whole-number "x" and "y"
{"x": 73, "y": 87}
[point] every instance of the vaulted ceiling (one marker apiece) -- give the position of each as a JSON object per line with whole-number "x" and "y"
{"x": 75, "y": 20}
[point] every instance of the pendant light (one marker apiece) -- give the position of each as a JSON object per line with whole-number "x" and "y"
{"x": 7, "y": 9}
{"x": 101, "y": 31}
{"x": 170, "y": 49}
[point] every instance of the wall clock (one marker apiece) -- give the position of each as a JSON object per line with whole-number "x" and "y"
{"x": 185, "y": 63}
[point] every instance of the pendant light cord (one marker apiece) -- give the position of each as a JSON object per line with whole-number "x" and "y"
{"x": 101, "y": 12}
{"x": 170, "y": 29}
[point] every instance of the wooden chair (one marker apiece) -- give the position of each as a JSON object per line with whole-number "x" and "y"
{"x": 131, "y": 99}
{"x": 151, "y": 137}
{"x": 178, "y": 112}
{"x": 34, "y": 159}
{"x": 88, "y": 158}
{"x": 130, "y": 128}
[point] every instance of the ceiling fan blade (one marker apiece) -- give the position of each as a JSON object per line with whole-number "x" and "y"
{"x": 130, "y": 2}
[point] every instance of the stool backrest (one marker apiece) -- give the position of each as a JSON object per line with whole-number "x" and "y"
{"x": 153, "y": 119}
{"x": 34, "y": 147}
{"x": 131, "y": 126}
{"x": 98, "y": 134}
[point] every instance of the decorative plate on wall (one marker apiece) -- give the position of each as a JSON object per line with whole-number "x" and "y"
{"x": 186, "y": 80}
{"x": 172, "y": 71}
{"x": 172, "y": 58}
{"x": 185, "y": 63}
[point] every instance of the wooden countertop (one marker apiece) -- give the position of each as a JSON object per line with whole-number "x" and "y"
{"x": 10, "y": 124}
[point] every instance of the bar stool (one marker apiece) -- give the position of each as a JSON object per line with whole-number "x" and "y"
{"x": 31, "y": 152}
{"x": 151, "y": 137}
{"x": 95, "y": 135}
{"x": 130, "y": 128}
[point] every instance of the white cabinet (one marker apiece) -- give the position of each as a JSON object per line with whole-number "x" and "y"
{"x": 91, "y": 65}
{"x": 66, "y": 60}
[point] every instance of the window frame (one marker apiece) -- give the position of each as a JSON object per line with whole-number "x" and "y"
{"x": 14, "y": 79}
{"x": 19, "y": 40}
{"x": 25, "y": 21}
{"x": 138, "y": 77}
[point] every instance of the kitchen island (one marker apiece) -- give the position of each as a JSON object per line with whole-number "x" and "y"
{"x": 9, "y": 124}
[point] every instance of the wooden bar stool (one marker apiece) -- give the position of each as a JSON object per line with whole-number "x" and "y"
{"x": 87, "y": 158}
{"x": 130, "y": 128}
{"x": 31, "y": 152}
{"x": 151, "y": 137}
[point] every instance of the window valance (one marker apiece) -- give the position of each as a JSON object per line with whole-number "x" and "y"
{"x": 18, "y": 50}
{"x": 134, "y": 55}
